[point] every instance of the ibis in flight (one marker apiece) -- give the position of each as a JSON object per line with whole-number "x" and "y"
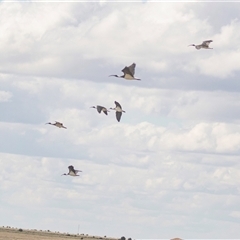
{"x": 101, "y": 109}
{"x": 72, "y": 172}
{"x": 205, "y": 45}
{"x": 57, "y": 124}
{"x": 118, "y": 110}
{"x": 128, "y": 73}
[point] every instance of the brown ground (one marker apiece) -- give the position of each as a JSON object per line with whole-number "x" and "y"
{"x": 15, "y": 234}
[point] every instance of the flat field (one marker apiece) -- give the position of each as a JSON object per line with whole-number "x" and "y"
{"x": 15, "y": 234}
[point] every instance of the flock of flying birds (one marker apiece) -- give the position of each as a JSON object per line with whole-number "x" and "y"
{"x": 128, "y": 74}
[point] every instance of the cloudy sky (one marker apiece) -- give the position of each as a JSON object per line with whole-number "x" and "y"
{"x": 170, "y": 168}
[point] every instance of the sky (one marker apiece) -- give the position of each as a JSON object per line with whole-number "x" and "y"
{"x": 170, "y": 167}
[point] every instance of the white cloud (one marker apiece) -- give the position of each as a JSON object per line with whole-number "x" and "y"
{"x": 235, "y": 214}
{"x": 173, "y": 158}
{"x": 222, "y": 65}
{"x": 68, "y": 30}
{"x": 132, "y": 195}
{"x": 5, "y": 96}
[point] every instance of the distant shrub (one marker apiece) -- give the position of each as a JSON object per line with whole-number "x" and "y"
{"x": 122, "y": 238}
{"x": 129, "y": 239}
{"x": 20, "y": 230}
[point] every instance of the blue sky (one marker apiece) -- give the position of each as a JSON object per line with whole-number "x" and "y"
{"x": 170, "y": 168}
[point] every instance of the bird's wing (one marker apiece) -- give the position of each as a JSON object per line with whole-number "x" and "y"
{"x": 117, "y": 104}
{"x": 76, "y": 171}
{"x": 58, "y": 123}
{"x": 207, "y": 42}
{"x": 118, "y": 116}
{"x": 132, "y": 68}
{"x": 126, "y": 70}
{"x": 99, "y": 108}
{"x": 105, "y": 110}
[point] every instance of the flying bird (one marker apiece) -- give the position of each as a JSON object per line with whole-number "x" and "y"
{"x": 205, "y": 45}
{"x": 118, "y": 110}
{"x": 101, "y": 109}
{"x": 128, "y": 73}
{"x": 72, "y": 172}
{"x": 57, "y": 124}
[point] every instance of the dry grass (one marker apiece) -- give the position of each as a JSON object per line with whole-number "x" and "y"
{"x": 7, "y": 233}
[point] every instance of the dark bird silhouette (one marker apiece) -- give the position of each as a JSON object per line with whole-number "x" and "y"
{"x": 101, "y": 109}
{"x": 205, "y": 45}
{"x": 57, "y": 124}
{"x": 118, "y": 110}
{"x": 72, "y": 172}
{"x": 128, "y": 73}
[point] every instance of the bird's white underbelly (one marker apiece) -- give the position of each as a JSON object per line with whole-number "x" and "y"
{"x": 118, "y": 109}
{"x": 128, "y": 77}
{"x": 72, "y": 174}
